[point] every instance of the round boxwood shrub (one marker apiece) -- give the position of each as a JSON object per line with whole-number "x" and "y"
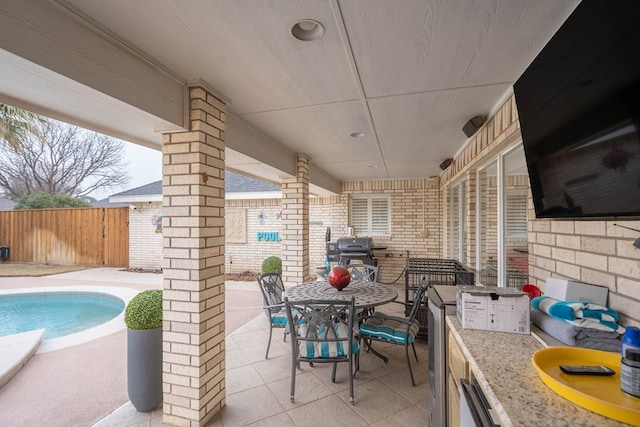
{"x": 272, "y": 264}
{"x": 144, "y": 311}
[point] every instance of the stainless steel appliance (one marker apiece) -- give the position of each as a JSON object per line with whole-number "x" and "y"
{"x": 355, "y": 248}
{"x": 475, "y": 410}
{"x": 442, "y": 302}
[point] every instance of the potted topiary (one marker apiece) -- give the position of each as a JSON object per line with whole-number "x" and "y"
{"x": 272, "y": 264}
{"x": 143, "y": 318}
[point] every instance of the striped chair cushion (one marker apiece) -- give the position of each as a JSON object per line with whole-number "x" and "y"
{"x": 326, "y": 349}
{"x": 389, "y": 328}
{"x": 279, "y": 317}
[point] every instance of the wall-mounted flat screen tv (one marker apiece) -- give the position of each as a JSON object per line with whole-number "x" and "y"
{"x": 579, "y": 110}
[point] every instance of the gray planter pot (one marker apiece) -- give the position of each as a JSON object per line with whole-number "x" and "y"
{"x": 144, "y": 368}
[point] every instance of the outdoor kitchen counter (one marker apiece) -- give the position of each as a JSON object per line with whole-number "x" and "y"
{"x": 501, "y": 362}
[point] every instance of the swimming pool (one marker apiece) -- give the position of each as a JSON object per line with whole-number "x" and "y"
{"x": 58, "y": 313}
{"x": 69, "y": 315}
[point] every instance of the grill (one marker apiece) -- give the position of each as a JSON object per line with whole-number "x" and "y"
{"x": 355, "y": 249}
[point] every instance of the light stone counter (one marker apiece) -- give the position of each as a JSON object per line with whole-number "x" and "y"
{"x": 501, "y": 362}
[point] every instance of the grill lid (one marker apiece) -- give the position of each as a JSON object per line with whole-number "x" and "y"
{"x": 355, "y": 244}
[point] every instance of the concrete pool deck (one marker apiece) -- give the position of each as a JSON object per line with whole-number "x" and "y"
{"x": 81, "y": 384}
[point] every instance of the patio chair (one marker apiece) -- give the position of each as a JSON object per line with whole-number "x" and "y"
{"x": 366, "y": 272}
{"x": 323, "y": 333}
{"x": 396, "y": 330}
{"x": 272, "y": 291}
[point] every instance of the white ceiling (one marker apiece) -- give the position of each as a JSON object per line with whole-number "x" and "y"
{"x": 408, "y": 73}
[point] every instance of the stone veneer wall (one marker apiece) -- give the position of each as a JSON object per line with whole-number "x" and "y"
{"x": 595, "y": 252}
{"x": 145, "y": 243}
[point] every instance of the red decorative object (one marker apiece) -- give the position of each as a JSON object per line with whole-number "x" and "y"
{"x": 531, "y": 290}
{"x": 339, "y": 278}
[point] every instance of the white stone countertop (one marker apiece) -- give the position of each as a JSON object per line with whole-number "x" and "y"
{"x": 501, "y": 362}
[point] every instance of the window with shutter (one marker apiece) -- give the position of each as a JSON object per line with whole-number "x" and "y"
{"x": 369, "y": 214}
{"x": 517, "y": 213}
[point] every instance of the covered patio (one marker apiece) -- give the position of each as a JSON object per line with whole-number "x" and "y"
{"x": 372, "y": 98}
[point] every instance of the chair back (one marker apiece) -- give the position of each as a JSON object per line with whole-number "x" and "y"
{"x": 419, "y": 299}
{"x": 363, "y": 272}
{"x": 272, "y": 289}
{"x": 323, "y": 328}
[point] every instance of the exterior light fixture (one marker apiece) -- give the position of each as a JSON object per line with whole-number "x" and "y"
{"x": 307, "y": 30}
{"x": 358, "y": 134}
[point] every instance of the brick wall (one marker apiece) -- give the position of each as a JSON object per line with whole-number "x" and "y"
{"x": 145, "y": 242}
{"x": 594, "y": 252}
{"x": 407, "y": 200}
{"x": 332, "y": 212}
{"x": 263, "y": 215}
{"x": 325, "y": 212}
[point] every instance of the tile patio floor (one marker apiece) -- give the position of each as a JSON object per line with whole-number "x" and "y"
{"x": 258, "y": 388}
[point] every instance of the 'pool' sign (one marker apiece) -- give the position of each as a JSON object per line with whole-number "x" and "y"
{"x": 268, "y": 236}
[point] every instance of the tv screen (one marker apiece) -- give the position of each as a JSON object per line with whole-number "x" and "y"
{"x": 579, "y": 110}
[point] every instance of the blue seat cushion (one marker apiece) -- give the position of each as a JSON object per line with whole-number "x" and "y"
{"x": 327, "y": 349}
{"x": 389, "y": 328}
{"x": 279, "y": 317}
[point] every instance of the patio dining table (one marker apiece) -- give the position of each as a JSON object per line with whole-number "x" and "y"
{"x": 366, "y": 294}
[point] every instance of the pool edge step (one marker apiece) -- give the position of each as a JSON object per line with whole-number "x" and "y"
{"x": 16, "y": 351}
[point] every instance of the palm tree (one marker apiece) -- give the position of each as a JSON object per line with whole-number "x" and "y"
{"x": 16, "y": 123}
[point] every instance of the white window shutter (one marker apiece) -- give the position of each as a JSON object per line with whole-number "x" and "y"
{"x": 517, "y": 213}
{"x": 370, "y": 214}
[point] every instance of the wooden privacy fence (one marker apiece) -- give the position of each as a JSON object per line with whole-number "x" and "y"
{"x": 76, "y": 236}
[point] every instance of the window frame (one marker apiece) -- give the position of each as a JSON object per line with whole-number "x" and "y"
{"x": 499, "y": 159}
{"x": 521, "y": 230}
{"x": 372, "y": 226}
{"x": 457, "y": 217}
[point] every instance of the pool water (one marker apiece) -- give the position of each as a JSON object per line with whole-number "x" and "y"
{"x": 59, "y": 313}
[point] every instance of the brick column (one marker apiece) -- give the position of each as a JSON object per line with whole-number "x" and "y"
{"x": 295, "y": 225}
{"x": 193, "y": 230}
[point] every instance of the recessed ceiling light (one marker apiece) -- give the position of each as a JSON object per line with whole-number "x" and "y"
{"x": 307, "y": 30}
{"x": 358, "y": 134}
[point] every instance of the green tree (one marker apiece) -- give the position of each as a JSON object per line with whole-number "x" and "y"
{"x": 16, "y": 124}
{"x": 49, "y": 201}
